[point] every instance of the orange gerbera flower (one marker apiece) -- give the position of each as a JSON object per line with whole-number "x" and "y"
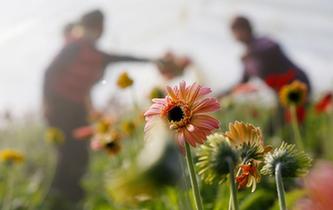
{"x": 248, "y": 139}
{"x": 187, "y": 111}
{"x": 240, "y": 133}
{"x": 249, "y": 176}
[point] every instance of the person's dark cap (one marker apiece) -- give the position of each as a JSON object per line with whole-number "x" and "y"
{"x": 92, "y": 18}
{"x": 241, "y": 22}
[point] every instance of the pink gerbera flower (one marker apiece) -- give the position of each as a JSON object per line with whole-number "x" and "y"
{"x": 186, "y": 110}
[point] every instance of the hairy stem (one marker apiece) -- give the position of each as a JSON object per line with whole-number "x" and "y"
{"x": 233, "y": 190}
{"x": 280, "y": 187}
{"x": 194, "y": 182}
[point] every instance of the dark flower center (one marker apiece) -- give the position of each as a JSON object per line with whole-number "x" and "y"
{"x": 176, "y": 114}
{"x": 110, "y": 145}
{"x": 294, "y": 96}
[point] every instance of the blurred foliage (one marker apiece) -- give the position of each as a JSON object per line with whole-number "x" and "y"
{"x": 28, "y": 183}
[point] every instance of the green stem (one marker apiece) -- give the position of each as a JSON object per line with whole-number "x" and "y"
{"x": 7, "y": 200}
{"x": 280, "y": 187}
{"x": 231, "y": 206}
{"x": 48, "y": 184}
{"x": 295, "y": 126}
{"x": 230, "y": 199}
{"x": 194, "y": 183}
{"x": 233, "y": 190}
{"x": 135, "y": 100}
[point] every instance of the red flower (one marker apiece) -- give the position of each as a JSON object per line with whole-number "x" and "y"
{"x": 278, "y": 80}
{"x": 324, "y": 104}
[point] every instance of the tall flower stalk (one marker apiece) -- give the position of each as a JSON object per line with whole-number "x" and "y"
{"x": 124, "y": 81}
{"x": 233, "y": 190}
{"x": 280, "y": 187}
{"x": 216, "y": 160}
{"x": 10, "y": 158}
{"x": 285, "y": 161}
{"x": 292, "y": 97}
{"x": 8, "y": 197}
{"x": 194, "y": 182}
{"x": 296, "y": 129}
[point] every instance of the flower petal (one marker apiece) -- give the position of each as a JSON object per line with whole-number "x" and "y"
{"x": 207, "y": 105}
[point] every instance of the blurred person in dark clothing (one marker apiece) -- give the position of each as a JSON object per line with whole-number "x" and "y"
{"x": 70, "y": 32}
{"x": 265, "y": 59}
{"x": 66, "y": 92}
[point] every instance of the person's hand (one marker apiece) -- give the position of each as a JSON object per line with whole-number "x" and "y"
{"x": 171, "y": 66}
{"x": 245, "y": 88}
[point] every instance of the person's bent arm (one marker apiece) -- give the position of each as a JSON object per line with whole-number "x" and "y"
{"x": 244, "y": 79}
{"x": 115, "y": 58}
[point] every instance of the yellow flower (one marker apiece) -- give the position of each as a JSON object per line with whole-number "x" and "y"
{"x": 128, "y": 127}
{"x": 11, "y": 156}
{"x": 156, "y": 92}
{"x": 103, "y": 125}
{"x": 54, "y": 135}
{"x": 111, "y": 142}
{"x": 294, "y": 94}
{"x": 124, "y": 81}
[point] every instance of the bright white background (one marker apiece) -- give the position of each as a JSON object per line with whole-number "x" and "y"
{"x": 30, "y": 35}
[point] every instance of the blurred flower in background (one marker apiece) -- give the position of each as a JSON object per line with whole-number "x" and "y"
{"x": 324, "y": 105}
{"x": 294, "y": 94}
{"x": 11, "y": 156}
{"x": 124, "y": 81}
{"x": 54, "y": 135}
{"x": 156, "y": 92}
{"x": 128, "y": 127}
{"x": 319, "y": 186}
